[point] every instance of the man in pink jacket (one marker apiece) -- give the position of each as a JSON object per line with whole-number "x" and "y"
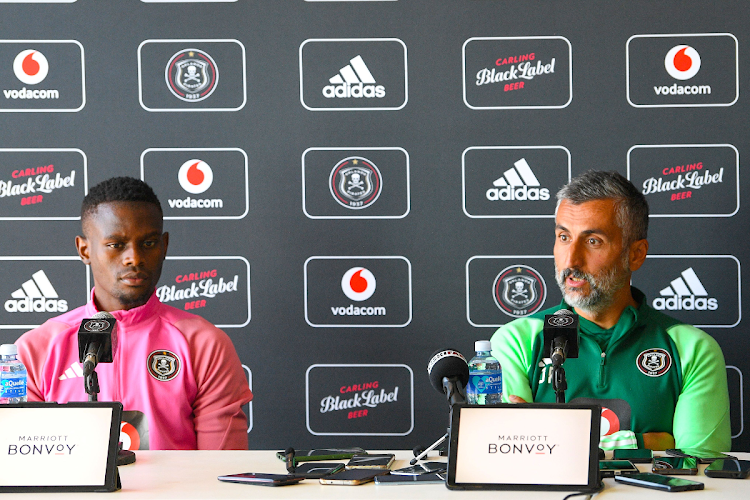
{"x": 178, "y": 376}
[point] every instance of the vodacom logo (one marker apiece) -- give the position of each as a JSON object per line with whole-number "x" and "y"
{"x": 682, "y": 62}
{"x": 358, "y": 284}
{"x": 195, "y": 176}
{"x": 30, "y": 66}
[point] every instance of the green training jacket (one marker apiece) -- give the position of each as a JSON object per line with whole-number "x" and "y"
{"x": 653, "y": 374}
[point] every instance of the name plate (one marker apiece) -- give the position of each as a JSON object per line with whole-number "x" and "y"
{"x": 524, "y": 447}
{"x": 59, "y": 447}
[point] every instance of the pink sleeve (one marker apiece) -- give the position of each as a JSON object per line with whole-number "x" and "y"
{"x": 33, "y": 351}
{"x": 220, "y": 423}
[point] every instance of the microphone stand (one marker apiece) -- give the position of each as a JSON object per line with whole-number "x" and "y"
{"x": 558, "y": 355}
{"x": 453, "y": 389}
{"x": 91, "y": 384}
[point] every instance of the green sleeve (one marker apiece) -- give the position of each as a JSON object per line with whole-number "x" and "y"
{"x": 701, "y": 417}
{"x": 513, "y": 346}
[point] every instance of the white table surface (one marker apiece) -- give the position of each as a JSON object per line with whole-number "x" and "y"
{"x": 192, "y": 474}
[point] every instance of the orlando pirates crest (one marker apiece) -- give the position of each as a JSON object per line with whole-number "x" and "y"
{"x": 519, "y": 291}
{"x": 163, "y": 365}
{"x": 355, "y": 182}
{"x": 192, "y": 75}
{"x": 654, "y": 362}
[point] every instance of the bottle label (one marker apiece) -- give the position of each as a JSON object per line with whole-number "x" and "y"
{"x": 12, "y": 387}
{"x": 485, "y": 382}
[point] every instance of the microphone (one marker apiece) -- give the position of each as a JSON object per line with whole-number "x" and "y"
{"x": 449, "y": 374}
{"x": 97, "y": 339}
{"x": 561, "y": 336}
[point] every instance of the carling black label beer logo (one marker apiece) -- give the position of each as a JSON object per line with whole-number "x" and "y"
{"x": 217, "y": 288}
{"x": 687, "y": 180}
{"x": 35, "y": 289}
{"x": 42, "y": 75}
{"x": 358, "y": 291}
{"x": 501, "y": 288}
{"x": 686, "y": 70}
{"x": 353, "y": 74}
{"x": 202, "y": 183}
{"x": 517, "y": 72}
{"x": 42, "y": 184}
{"x": 360, "y": 400}
{"x": 513, "y": 182}
{"x": 355, "y": 183}
{"x": 192, "y": 75}
{"x": 701, "y": 290}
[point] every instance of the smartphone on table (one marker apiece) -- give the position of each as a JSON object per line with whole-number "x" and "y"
{"x": 686, "y": 466}
{"x": 659, "y": 482}
{"x": 262, "y": 479}
{"x": 703, "y": 456}
{"x": 638, "y": 456}
{"x": 612, "y": 468}
{"x": 375, "y": 461}
{"x": 353, "y": 477}
{"x": 434, "y": 477}
{"x": 420, "y": 469}
{"x": 732, "y": 469}
{"x": 322, "y": 454}
{"x": 316, "y": 470}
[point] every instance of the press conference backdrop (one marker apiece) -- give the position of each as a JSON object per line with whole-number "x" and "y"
{"x": 352, "y": 185}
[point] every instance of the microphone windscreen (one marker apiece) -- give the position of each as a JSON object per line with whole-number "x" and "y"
{"x": 106, "y": 315}
{"x": 447, "y": 363}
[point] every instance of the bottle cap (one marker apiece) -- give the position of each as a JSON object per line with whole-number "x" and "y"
{"x": 482, "y": 345}
{"x": 8, "y": 350}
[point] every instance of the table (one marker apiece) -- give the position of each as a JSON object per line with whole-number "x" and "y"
{"x": 192, "y": 474}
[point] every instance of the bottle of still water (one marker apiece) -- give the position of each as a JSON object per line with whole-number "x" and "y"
{"x": 485, "y": 385}
{"x": 12, "y": 376}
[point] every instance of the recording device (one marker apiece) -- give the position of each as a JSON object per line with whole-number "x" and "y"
{"x": 321, "y": 454}
{"x": 732, "y": 469}
{"x": 703, "y": 456}
{"x": 97, "y": 341}
{"x": 561, "y": 336}
{"x": 612, "y": 468}
{"x": 658, "y": 482}
{"x": 686, "y": 466}
{"x": 353, "y": 477}
{"x": 261, "y": 479}
{"x": 449, "y": 374}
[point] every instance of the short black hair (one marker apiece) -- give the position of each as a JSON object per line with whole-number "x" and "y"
{"x": 631, "y": 204}
{"x": 118, "y": 189}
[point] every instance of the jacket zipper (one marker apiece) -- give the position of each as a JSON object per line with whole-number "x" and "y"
{"x": 602, "y": 367}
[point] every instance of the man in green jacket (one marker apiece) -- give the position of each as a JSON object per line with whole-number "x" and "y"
{"x": 661, "y": 383}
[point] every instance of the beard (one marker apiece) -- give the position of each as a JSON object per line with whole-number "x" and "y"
{"x": 602, "y": 286}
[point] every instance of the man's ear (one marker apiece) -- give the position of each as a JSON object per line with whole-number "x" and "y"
{"x": 637, "y": 255}
{"x": 82, "y": 245}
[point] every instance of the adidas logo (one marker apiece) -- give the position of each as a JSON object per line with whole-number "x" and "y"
{"x": 685, "y": 293}
{"x": 353, "y": 80}
{"x": 518, "y": 184}
{"x": 36, "y": 295}
{"x": 75, "y": 371}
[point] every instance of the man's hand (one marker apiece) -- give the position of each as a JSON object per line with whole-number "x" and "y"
{"x": 515, "y": 399}
{"x": 658, "y": 440}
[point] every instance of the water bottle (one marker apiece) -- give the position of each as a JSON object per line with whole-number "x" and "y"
{"x": 12, "y": 376}
{"x": 485, "y": 376}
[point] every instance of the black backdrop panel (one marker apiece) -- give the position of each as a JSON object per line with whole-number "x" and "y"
{"x": 248, "y": 116}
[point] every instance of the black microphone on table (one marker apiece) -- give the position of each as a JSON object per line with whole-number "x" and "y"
{"x": 97, "y": 341}
{"x": 561, "y": 336}
{"x": 449, "y": 374}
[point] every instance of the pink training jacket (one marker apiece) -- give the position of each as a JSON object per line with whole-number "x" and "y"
{"x": 178, "y": 376}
